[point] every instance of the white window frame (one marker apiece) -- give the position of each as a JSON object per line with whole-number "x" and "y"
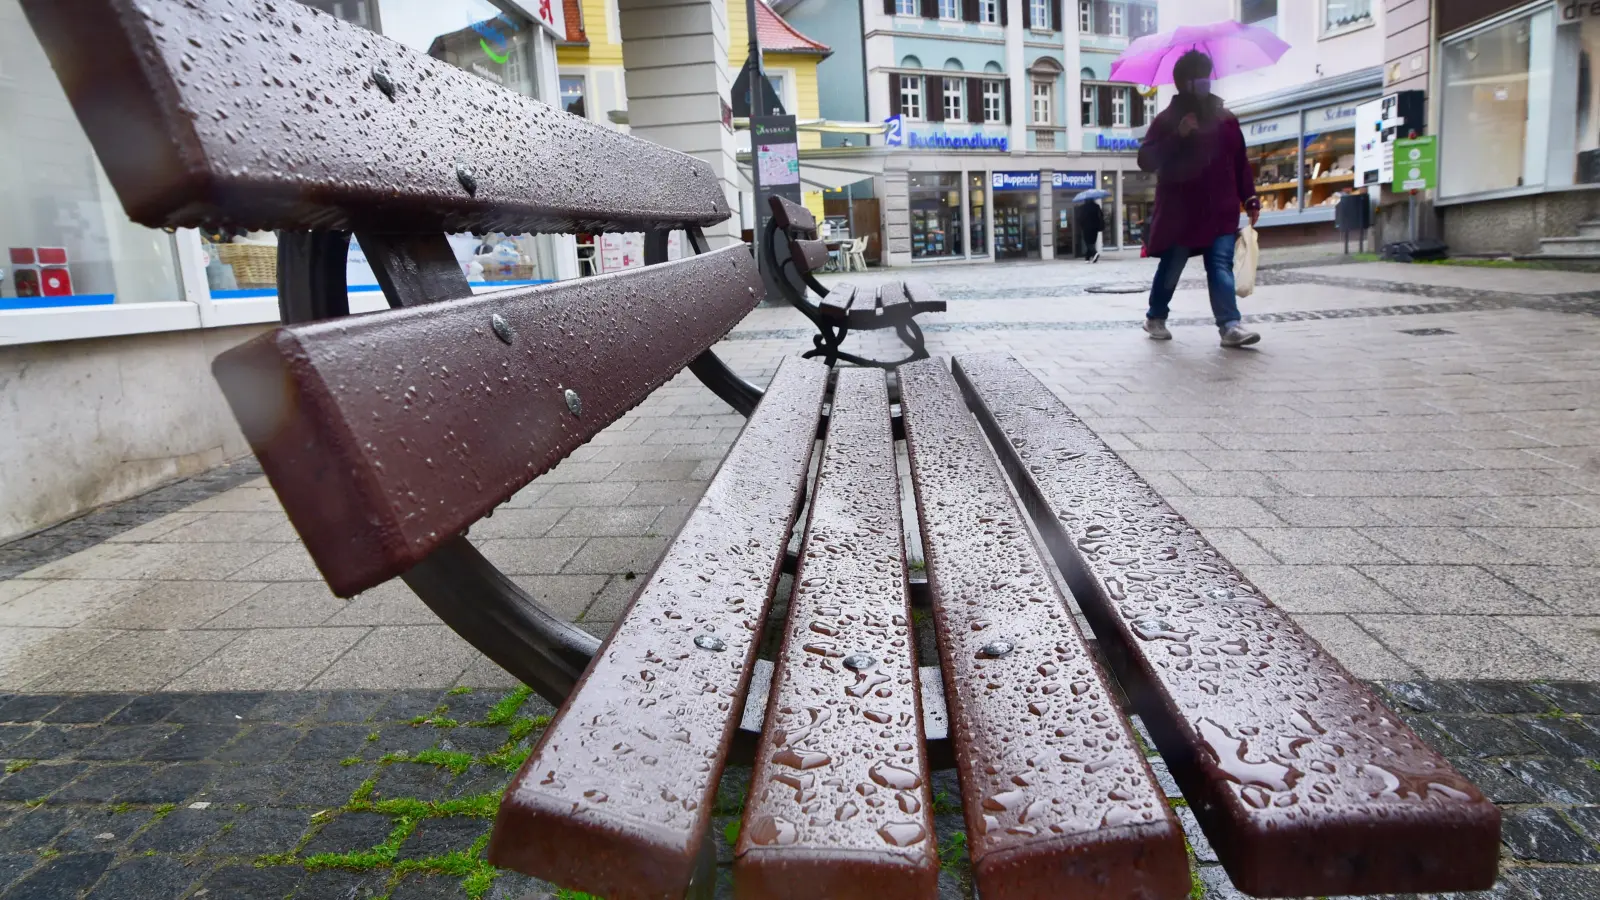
{"x": 989, "y": 12}
{"x": 1119, "y": 107}
{"x": 911, "y": 97}
{"x": 1040, "y": 14}
{"x": 1148, "y": 19}
{"x": 1149, "y": 108}
{"x": 1042, "y": 113}
{"x": 1086, "y": 108}
{"x": 1086, "y": 16}
{"x": 1118, "y": 17}
{"x": 950, "y": 10}
{"x": 954, "y": 96}
{"x": 994, "y": 91}
{"x": 1324, "y": 32}
{"x": 906, "y": 8}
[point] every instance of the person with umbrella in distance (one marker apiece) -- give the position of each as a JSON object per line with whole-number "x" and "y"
{"x": 1090, "y": 221}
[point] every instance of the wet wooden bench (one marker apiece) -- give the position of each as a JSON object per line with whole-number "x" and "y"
{"x": 386, "y": 436}
{"x": 790, "y": 247}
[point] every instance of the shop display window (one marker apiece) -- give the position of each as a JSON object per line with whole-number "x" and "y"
{"x": 1486, "y": 80}
{"x": 1329, "y": 167}
{"x": 64, "y": 239}
{"x": 978, "y": 215}
{"x": 1108, "y": 206}
{"x": 1274, "y": 166}
{"x": 935, "y": 199}
{"x": 1584, "y": 35}
{"x": 1016, "y": 224}
{"x": 1138, "y": 204}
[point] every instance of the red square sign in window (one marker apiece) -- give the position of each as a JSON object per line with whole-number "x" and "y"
{"x": 55, "y": 281}
{"x": 52, "y": 256}
{"x": 22, "y": 256}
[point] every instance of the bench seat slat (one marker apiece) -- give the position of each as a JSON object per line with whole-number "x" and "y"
{"x": 314, "y": 144}
{"x": 1059, "y": 799}
{"x": 836, "y": 305}
{"x": 924, "y": 299}
{"x": 840, "y": 804}
{"x": 388, "y": 434}
{"x": 617, "y": 798}
{"x": 1305, "y": 783}
{"x": 891, "y": 307}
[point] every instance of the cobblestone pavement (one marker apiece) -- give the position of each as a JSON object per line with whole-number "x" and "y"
{"x": 339, "y": 795}
{"x": 1409, "y": 463}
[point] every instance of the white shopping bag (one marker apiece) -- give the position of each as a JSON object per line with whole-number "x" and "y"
{"x": 1245, "y": 257}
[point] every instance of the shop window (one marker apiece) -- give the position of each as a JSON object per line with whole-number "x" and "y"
{"x": 1586, "y": 35}
{"x": 1277, "y": 182}
{"x": 955, "y": 96}
{"x": 994, "y": 93}
{"x": 1496, "y": 95}
{"x": 1087, "y": 104}
{"x": 1119, "y": 108}
{"x": 989, "y": 12}
{"x": 1039, "y": 11}
{"x": 906, "y": 8}
{"x": 977, "y": 215}
{"x": 1016, "y": 224}
{"x": 1259, "y": 12}
{"x": 950, "y": 10}
{"x": 911, "y": 97}
{"x": 64, "y": 240}
{"x": 1043, "y": 101}
{"x": 1328, "y": 160}
{"x": 1340, "y": 16}
{"x": 572, "y": 94}
{"x": 1114, "y": 13}
{"x": 1138, "y": 203}
{"x": 1108, "y": 183}
{"x": 935, "y": 200}
{"x": 1086, "y": 16}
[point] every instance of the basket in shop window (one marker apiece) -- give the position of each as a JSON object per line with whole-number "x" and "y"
{"x": 254, "y": 265}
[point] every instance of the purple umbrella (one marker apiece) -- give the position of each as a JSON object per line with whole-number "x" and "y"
{"x": 1232, "y": 46}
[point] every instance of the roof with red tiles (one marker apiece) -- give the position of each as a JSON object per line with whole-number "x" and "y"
{"x": 778, "y": 36}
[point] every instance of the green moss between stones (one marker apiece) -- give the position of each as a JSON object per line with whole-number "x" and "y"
{"x": 730, "y": 832}
{"x": 454, "y": 760}
{"x": 17, "y": 765}
{"x": 953, "y": 853}
{"x": 458, "y": 691}
{"x": 508, "y": 707}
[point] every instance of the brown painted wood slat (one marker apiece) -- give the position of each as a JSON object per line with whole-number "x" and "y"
{"x": 1305, "y": 783}
{"x": 924, "y": 299}
{"x": 810, "y": 256}
{"x": 275, "y": 116}
{"x": 836, "y": 305}
{"x": 386, "y": 435}
{"x": 791, "y": 215}
{"x": 617, "y": 798}
{"x": 839, "y": 802}
{"x": 1059, "y": 799}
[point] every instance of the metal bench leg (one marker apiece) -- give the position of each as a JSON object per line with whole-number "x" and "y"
{"x": 467, "y": 592}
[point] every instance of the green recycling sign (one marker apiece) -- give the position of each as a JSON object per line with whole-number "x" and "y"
{"x": 1416, "y": 163}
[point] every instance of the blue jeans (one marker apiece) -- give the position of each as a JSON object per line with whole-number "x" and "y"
{"x": 1219, "y": 279}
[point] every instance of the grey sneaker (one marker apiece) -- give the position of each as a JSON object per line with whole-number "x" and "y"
{"x": 1157, "y": 329}
{"x": 1238, "y": 336}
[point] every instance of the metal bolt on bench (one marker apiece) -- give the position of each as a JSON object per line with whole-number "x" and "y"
{"x": 387, "y": 436}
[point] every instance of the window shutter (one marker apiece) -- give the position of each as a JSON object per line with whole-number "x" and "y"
{"x": 1103, "y": 100}
{"x": 1136, "y": 110}
{"x": 1027, "y": 14}
{"x": 969, "y": 10}
{"x": 1055, "y": 12}
{"x": 1102, "y": 17}
{"x": 888, "y": 7}
{"x": 933, "y": 98}
{"x": 894, "y": 94}
{"x": 1005, "y": 12}
{"x": 930, "y": 9}
{"x": 1005, "y": 101}
{"x": 975, "y": 100}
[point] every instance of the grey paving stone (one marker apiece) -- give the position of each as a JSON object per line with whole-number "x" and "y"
{"x": 87, "y": 709}
{"x": 405, "y": 705}
{"x": 353, "y": 707}
{"x": 176, "y": 783}
{"x": 421, "y": 886}
{"x": 11, "y": 734}
{"x": 30, "y": 707}
{"x": 1497, "y": 782}
{"x": 336, "y": 884}
{"x": 1588, "y": 819}
{"x": 610, "y": 555}
{"x": 1560, "y": 883}
{"x": 261, "y": 831}
{"x": 409, "y": 656}
{"x": 12, "y": 865}
{"x": 34, "y": 829}
{"x": 1324, "y": 589}
{"x": 407, "y": 739}
{"x": 331, "y": 742}
{"x": 1430, "y": 696}
{"x": 1458, "y": 646}
{"x": 102, "y": 783}
{"x": 145, "y": 878}
{"x": 1578, "y": 697}
{"x": 422, "y": 782}
{"x": 39, "y": 781}
{"x": 350, "y": 832}
{"x": 1451, "y": 589}
{"x": 1564, "y": 781}
{"x": 1542, "y": 835}
{"x": 95, "y": 829}
{"x": 436, "y": 837}
{"x": 1487, "y": 735}
{"x": 260, "y": 744}
{"x": 256, "y": 784}
{"x": 65, "y": 877}
{"x": 183, "y": 830}
{"x": 319, "y": 785}
{"x": 193, "y": 742}
{"x": 1203, "y": 851}
{"x": 1569, "y": 737}
{"x": 53, "y": 742}
{"x": 1504, "y": 697}
{"x": 289, "y": 707}
{"x": 1338, "y": 546}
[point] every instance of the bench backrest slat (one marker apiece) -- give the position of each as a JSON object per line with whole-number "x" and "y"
{"x": 617, "y": 798}
{"x": 271, "y": 115}
{"x": 811, "y": 256}
{"x": 1059, "y": 799}
{"x": 792, "y": 216}
{"x": 1305, "y": 783}
{"x": 839, "y": 794}
{"x": 386, "y": 435}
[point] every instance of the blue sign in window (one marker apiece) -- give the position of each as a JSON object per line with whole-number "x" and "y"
{"x": 1077, "y": 181}
{"x": 1014, "y": 181}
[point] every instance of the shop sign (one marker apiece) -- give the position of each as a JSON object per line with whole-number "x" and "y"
{"x": 1265, "y": 131}
{"x": 1416, "y": 163}
{"x": 1573, "y": 11}
{"x": 548, "y": 13}
{"x": 1116, "y": 144}
{"x": 1014, "y": 181}
{"x": 1077, "y": 181}
{"x": 897, "y": 136}
{"x": 1333, "y": 118}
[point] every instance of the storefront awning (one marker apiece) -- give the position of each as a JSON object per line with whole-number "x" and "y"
{"x": 828, "y": 169}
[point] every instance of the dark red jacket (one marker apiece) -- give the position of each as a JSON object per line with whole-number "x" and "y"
{"x": 1202, "y": 180}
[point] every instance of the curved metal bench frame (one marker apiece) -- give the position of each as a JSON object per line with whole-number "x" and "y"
{"x": 462, "y": 587}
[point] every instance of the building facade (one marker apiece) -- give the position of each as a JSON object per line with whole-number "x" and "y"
{"x": 999, "y": 113}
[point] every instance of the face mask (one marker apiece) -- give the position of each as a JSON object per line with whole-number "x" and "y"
{"x": 1202, "y": 87}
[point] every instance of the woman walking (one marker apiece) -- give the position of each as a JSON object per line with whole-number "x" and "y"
{"x": 1196, "y": 149}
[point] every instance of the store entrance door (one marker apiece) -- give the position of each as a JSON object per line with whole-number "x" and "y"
{"x": 1016, "y": 224}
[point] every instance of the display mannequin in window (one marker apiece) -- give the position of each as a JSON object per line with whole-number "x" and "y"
{"x": 1196, "y": 149}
